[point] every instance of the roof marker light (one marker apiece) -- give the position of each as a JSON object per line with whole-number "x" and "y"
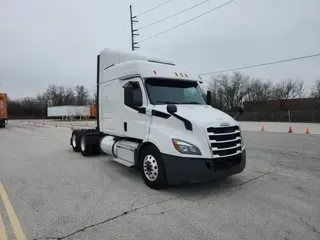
{"x": 186, "y": 75}
{"x": 176, "y": 74}
{"x": 200, "y": 77}
{"x": 154, "y": 71}
{"x": 181, "y": 74}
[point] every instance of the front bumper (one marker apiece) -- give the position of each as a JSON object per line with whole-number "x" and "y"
{"x": 181, "y": 170}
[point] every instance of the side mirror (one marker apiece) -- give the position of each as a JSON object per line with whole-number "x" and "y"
{"x": 209, "y": 98}
{"x": 128, "y": 95}
{"x": 171, "y": 108}
{"x": 240, "y": 109}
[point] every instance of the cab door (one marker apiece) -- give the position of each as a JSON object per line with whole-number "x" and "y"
{"x": 134, "y": 114}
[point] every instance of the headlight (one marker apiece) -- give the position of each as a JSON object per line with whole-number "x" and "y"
{"x": 185, "y": 147}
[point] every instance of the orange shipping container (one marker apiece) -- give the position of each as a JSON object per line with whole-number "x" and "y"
{"x": 3, "y": 109}
{"x": 93, "y": 111}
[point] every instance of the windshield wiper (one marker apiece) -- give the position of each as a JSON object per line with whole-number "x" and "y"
{"x": 166, "y": 102}
{"x": 190, "y": 103}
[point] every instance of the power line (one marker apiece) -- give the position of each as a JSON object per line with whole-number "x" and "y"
{"x": 178, "y": 13}
{"x": 263, "y": 64}
{"x": 187, "y": 21}
{"x": 151, "y": 9}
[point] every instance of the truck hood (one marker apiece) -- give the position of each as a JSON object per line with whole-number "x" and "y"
{"x": 201, "y": 115}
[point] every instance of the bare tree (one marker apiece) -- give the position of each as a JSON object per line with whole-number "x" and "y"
{"x": 26, "y": 107}
{"x": 259, "y": 90}
{"x": 229, "y": 91}
{"x": 31, "y": 107}
{"x": 82, "y": 95}
{"x": 93, "y": 99}
{"x": 57, "y": 96}
{"x": 315, "y": 91}
{"x": 288, "y": 89}
{"x": 52, "y": 96}
{"x": 49, "y": 96}
{"x": 217, "y": 100}
{"x": 69, "y": 97}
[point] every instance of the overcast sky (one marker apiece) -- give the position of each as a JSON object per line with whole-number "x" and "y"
{"x": 56, "y": 42}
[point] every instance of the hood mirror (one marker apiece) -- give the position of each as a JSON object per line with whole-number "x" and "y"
{"x": 171, "y": 108}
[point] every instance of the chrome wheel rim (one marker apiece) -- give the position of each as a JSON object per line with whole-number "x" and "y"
{"x": 150, "y": 168}
{"x": 74, "y": 140}
{"x": 83, "y": 144}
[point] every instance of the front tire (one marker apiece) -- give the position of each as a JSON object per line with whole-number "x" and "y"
{"x": 152, "y": 168}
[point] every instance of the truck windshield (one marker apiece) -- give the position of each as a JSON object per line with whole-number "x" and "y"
{"x": 170, "y": 91}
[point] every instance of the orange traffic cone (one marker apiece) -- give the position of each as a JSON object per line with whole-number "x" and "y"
{"x": 262, "y": 128}
{"x": 307, "y": 131}
{"x": 290, "y": 130}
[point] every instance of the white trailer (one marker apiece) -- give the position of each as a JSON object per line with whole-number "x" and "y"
{"x": 82, "y": 111}
{"x": 69, "y": 111}
{"x": 151, "y": 115}
{"x": 61, "y": 111}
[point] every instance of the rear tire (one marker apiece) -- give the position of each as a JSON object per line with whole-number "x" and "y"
{"x": 75, "y": 141}
{"x": 152, "y": 168}
{"x": 2, "y": 123}
{"x": 86, "y": 149}
{"x": 96, "y": 149}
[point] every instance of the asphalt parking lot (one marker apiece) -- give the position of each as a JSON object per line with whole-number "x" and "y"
{"x": 56, "y": 193}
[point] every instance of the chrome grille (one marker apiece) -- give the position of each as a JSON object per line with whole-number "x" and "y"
{"x": 225, "y": 141}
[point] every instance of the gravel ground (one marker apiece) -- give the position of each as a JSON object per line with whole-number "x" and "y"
{"x": 58, "y": 194}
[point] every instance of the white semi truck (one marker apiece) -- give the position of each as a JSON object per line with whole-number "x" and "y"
{"x": 151, "y": 114}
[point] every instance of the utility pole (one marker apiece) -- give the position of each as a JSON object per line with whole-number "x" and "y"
{"x": 133, "y": 19}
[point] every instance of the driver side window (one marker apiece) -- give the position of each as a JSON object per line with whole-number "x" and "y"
{"x": 133, "y": 94}
{"x": 137, "y": 94}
